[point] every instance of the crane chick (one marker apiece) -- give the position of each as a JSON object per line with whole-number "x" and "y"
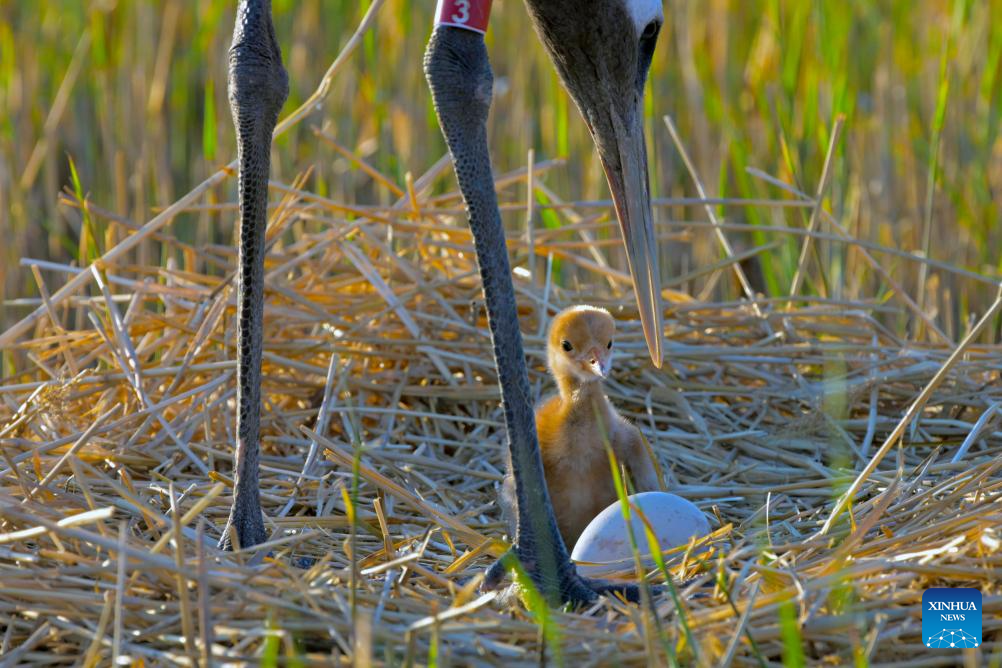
{"x": 574, "y": 423}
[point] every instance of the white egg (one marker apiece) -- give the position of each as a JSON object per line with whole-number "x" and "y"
{"x": 604, "y": 546}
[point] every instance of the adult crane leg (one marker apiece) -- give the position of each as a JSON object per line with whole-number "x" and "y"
{"x": 460, "y": 78}
{"x": 258, "y": 87}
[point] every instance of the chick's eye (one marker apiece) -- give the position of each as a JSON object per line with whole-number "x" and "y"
{"x": 650, "y": 30}
{"x": 567, "y": 346}
{"x": 609, "y": 345}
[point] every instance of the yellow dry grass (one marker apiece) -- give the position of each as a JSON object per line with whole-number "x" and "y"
{"x": 381, "y": 407}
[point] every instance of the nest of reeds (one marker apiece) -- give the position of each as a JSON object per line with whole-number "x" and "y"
{"x": 844, "y": 468}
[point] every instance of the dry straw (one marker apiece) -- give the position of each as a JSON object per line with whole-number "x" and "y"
{"x": 383, "y": 444}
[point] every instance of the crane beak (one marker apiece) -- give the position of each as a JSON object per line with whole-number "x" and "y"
{"x": 631, "y": 194}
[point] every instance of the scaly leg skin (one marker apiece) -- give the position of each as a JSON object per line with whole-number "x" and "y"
{"x": 569, "y": 588}
{"x": 258, "y": 87}
{"x": 495, "y": 575}
{"x": 461, "y": 81}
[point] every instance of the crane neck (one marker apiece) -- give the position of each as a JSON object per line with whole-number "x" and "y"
{"x": 574, "y": 390}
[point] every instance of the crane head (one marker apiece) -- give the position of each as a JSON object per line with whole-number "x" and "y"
{"x": 602, "y": 50}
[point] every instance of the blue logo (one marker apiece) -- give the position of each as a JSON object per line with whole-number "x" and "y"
{"x": 951, "y": 618}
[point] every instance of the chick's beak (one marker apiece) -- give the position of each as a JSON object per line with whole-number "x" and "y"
{"x": 630, "y": 188}
{"x": 600, "y": 362}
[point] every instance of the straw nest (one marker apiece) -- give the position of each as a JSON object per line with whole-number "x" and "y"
{"x": 844, "y": 470}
